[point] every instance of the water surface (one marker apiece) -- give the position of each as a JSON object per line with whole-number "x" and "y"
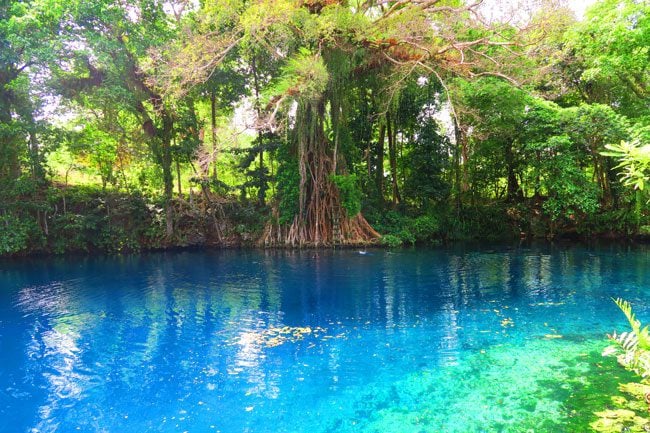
{"x": 454, "y": 340}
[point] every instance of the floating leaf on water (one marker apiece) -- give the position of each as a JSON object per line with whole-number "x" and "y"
{"x": 277, "y": 336}
{"x": 552, "y": 336}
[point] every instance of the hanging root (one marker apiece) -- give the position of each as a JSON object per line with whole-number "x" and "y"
{"x": 324, "y": 221}
{"x": 321, "y": 220}
{"x": 353, "y": 231}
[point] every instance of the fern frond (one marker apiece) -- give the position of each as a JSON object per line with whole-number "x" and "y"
{"x": 626, "y": 340}
{"x": 610, "y": 350}
{"x": 643, "y": 364}
{"x": 642, "y": 334}
{"x": 644, "y": 338}
{"x": 626, "y": 308}
{"x": 632, "y": 347}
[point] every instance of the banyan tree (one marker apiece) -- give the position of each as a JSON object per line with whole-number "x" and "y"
{"x": 317, "y": 84}
{"x": 317, "y": 52}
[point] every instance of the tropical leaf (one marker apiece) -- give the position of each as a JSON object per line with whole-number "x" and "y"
{"x": 641, "y": 333}
{"x": 631, "y": 348}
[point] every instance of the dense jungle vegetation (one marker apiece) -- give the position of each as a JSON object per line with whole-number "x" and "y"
{"x": 136, "y": 124}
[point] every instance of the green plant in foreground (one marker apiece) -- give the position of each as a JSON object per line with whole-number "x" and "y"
{"x": 632, "y": 350}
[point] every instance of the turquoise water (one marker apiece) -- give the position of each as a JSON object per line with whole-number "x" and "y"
{"x": 446, "y": 340}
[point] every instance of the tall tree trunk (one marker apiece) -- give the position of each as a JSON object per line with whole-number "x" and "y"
{"x": 457, "y": 167}
{"x": 161, "y": 138}
{"x": 213, "y": 128}
{"x": 513, "y": 191}
{"x": 368, "y": 159}
{"x": 35, "y": 157}
{"x": 600, "y": 173}
{"x": 379, "y": 173}
{"x": 391, "y": 131}
{"x": 166, "y": 163}
{"x": 368, "y": 129}
{"x": 38, "y": 172}
{"x": 461, "y": 141}
{"x": 464, "y": 163}
{"x": 261, "y": 192}
{"x": 178, "y": 178}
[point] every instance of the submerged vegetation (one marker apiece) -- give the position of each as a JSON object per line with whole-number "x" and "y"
{"x": 148, "y": 124}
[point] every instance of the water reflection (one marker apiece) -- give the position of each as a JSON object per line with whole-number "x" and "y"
{"x": 174, "y": 342}
{"x": 53, "y": 348}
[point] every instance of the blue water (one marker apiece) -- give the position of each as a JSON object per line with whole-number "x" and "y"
{"x": 443, "y": 340}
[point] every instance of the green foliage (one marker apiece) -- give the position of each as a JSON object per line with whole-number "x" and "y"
{"x": 484, "y": 221}
{"x": 632, "y": 350}
{"x": 569, "y": 190}
{"x": 612, "y": 46}
{"x": 203, "y": 97}
{"x": 640, "y": 333}
{"x": 71, "y": 231}
{"x": 634, "y": 159}
{"x": 423, "y": 229}
{"x": 425, "y": 165}
{"x": 97, "y": 148}
{"x": 305, "y": 76}
{"x": 349, "y": 192}
{"x": 288, "y": 181}
{"x": 116, "y": 239}
{"x": 617, "y": 221}
{"x": 93, "y": 220}
{"x": 258, "y": 174}
{"x": 497, "y": 117}
{"x": 592, "y": 126}
{"x": 14, "y": 234}
{"x": 392, "y": 241}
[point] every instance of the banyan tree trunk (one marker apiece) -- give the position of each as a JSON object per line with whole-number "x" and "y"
{"x": 321, "y": 220}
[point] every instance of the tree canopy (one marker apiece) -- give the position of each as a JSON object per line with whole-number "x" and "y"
{"x": 318, "y": 122}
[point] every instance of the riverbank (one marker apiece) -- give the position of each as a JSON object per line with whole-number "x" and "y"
{"x": 54, "y": 220}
